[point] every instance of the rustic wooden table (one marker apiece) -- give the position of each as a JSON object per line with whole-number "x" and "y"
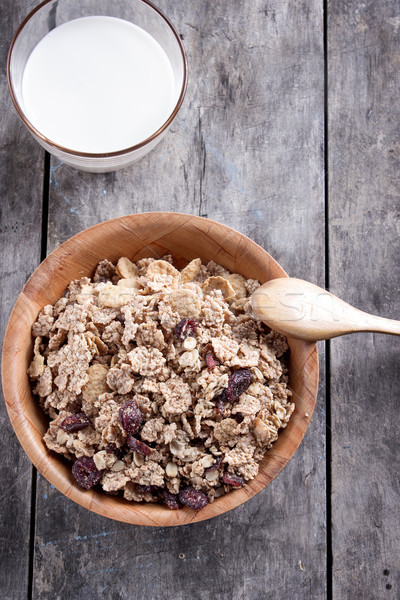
{"x": 290, "y": 134}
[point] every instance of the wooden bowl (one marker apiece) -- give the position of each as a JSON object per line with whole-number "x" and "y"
{"x": 137, "y": 236}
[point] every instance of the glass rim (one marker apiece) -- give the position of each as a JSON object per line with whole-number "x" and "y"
{"x": 94, "y": 155}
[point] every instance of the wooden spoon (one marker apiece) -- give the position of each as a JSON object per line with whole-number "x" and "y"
{"x": 305, "y": 311}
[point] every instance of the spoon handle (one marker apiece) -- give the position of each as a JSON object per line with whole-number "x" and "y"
{"x": 380, "y": 325}
{"x": 303, "y": 310}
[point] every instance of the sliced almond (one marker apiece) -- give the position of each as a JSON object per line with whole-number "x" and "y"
{"x": 171, "y": 469}
{"x": 190, "y": 343}
{"x": 62, "y": 437}
{"x": 119, "y": 465}
{"x": 161, "y": 267}
{"x": 207, "y": 461}
{"x": 218, "y": 283}
{"x": 114, "y": 360}
{"x": 127, "y": 269}
{"x": 191, "y": 271}
{"x": 212, "y": 476}
{"x": 238, "y": 283}
{"x": 138, "y": 459}
{"x": 102, "y": 348}
{"x": 99, "y": 460}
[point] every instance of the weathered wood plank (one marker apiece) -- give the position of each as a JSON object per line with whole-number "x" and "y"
{"x": 21, "y": 178}
{"x": 364, "y": 183}
{"x": 245, "y": 150}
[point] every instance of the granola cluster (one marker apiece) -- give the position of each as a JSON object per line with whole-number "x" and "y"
{"x": 160, "y": 384}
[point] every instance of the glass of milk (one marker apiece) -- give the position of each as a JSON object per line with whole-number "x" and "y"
{"x": 97, "y": 82}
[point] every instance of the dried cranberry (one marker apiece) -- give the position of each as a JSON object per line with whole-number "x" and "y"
{"x": 215, "y": 466}
{"x": 86, "y": 473}
{"x": 111, "y": 448}
{"x": 238, "y": 383}
{"x": 75, "y": 422}
{"x": 130, "y": 417}
{"x": 193, "y": 498}
{"x": 220, "y": 404}
{"x": 212, "y": 361}
{"x": 138, "y": 446}
{"x": 171, "y": 500}
{"x": 232, "y": 480}
{"x": 153, "y": 489}
{"x": 185, "y": 328}
{"x": 238, "y": 417}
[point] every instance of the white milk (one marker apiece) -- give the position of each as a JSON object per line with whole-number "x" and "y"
{"x": 98, "y": 84}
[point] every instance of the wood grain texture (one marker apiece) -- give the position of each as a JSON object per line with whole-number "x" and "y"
{"x": 246, "y": 150}
{"x": 20, "y": 219}
{"x": 364, "y": 183}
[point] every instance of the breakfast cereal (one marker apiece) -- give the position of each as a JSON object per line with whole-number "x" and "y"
{"x": 160, "y": 385}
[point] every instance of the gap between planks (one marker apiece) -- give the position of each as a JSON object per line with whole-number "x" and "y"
{"x": 328, "y": 430}
{"x": 43, "y": 254}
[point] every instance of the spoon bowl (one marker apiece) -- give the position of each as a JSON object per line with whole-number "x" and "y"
{"x": 302, "y": 310}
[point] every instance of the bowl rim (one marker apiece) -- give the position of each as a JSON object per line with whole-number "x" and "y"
{"x": 94, "y": 500}
{"x": 94, "y": 155}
